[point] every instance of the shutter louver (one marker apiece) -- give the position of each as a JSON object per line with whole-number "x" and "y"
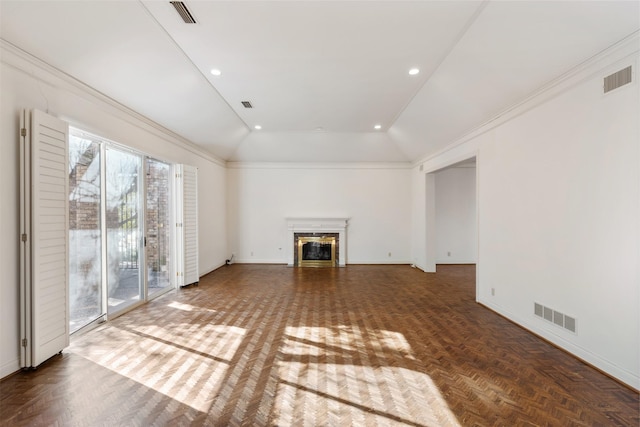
{"x": 190, "y": 224}
{"x": 44, "y": 252}
{"x": 187, "y": 225}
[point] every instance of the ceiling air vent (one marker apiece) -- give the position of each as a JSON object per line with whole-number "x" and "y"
{"x": 618, "y": 79}
{"x": 247, "y": 104}
{"x": 181, "y": 8}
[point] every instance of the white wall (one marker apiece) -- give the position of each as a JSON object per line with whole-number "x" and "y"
{"x": 558, "y": 206}
{"x": 377, "y": 199}
{"x": 418, "y": 220}
{"x": 455, "y": 204}
{"x": 27, "y": 83}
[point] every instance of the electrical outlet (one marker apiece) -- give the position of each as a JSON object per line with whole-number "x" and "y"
{"x": 493, "y": 292}
{"x": 448, "y": 253}
{"x": 389, "y": 254}
{"x": 251, "y": 253}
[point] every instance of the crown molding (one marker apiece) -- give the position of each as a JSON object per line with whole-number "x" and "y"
{"x": 620, "y": 51}
{"x": 313, "y": 165}
{"x": 25, "y": 62}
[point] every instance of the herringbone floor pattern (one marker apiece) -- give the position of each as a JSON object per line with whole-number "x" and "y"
{"x": 269, "y": 345}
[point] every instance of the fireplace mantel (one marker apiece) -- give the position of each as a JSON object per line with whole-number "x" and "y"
{"x": 318, "y": 225}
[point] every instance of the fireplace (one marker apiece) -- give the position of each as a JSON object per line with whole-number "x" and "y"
{"x": 316, "y": 242}
{"x": 316, "y": 251}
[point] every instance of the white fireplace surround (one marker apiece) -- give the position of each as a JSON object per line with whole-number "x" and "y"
{"x": 318, "y": 225}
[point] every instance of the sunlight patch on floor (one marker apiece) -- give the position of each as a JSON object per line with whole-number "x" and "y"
{"x": 359, "y": 395}
{"x": 391, "y": 340}
{"x": 189, "y": 368}
{"x": 188, "y": 307}
{"x": 363, "y": 381}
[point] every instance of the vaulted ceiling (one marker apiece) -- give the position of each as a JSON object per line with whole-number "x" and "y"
{"x": 319, "y": 74}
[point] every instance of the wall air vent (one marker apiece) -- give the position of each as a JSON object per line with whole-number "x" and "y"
{"x": 618, "y": 79}
{"x": 181, "y": 8}
{"x": 555, "y": 317}
{"x": 537, "y": 309}
{"x": 570, "y": 323}
{"x": 558, "y": 318}
{"x": 247, "y": 104}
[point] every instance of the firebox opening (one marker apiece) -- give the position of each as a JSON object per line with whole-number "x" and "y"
{"x": 316, "y": 251}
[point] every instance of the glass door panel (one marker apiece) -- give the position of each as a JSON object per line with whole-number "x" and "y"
{"x": 85, "y": 234}
{"x": 158, "y": 227}
{"x": 123, "y": 221}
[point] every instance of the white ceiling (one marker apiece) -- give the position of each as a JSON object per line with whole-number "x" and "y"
{"x": 320, "y": 74}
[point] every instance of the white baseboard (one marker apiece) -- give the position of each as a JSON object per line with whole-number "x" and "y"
{"x": 349, "y": 262}
{"x": 214, "y": 268}
{"x": 581, "y": 353}
{"x": 453, "y": 261}
{"x": 9, "y": 368}
{"x": 258, "y": 261}
{"x": 380, "y": 262}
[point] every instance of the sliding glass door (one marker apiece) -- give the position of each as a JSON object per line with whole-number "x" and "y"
{"x": 124, "y": 229}
{"x": 158, "y": 217}
{"x": 120, "y": 238}
{"x": 85, "y": 233}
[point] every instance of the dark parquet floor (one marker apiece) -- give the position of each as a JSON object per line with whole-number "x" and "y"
{"x": 269, "y": 345}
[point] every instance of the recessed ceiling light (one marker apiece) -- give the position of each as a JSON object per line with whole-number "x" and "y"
{"x": 257, "y": 127}
{"x": 377, "y": 127}
{"x": 216, "y": 72}
{"x": 414, "y": 71}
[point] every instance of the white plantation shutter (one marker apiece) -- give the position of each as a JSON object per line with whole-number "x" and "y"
{"x": 187, "y": 225}
{"x": 44, "y": 237}
{"x": 190, "y": 224}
